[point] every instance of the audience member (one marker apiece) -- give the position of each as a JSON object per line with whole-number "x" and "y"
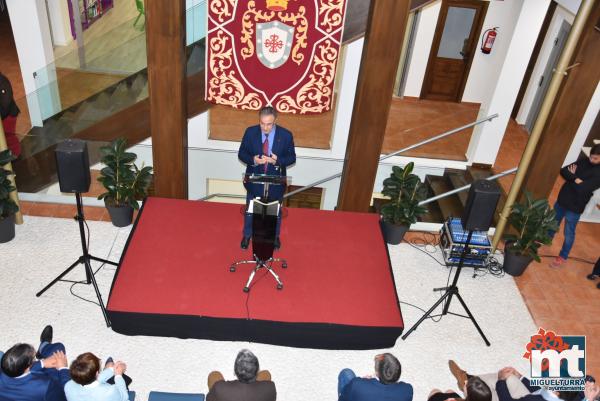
{"x": 22, "y": 378}
{"x": 383, "y": 386}
{"x": 474, "y": 389}
{"x": 88, "y": 384}
{"x": 509, "y": 385}
{"x": 582, "y": 178}
{"x": 595, "y": 273}
{"x": 252, "y": 384}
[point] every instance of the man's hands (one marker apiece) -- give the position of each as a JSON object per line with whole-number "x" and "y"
{"x": 508, "y": 371}
{"x": 120, "y": 368}
{"x": 262, "y": 159}
{"x": 572, "y": 169}
{"x": 58, "y": 360}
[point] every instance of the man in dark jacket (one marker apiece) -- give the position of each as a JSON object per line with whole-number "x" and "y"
{"x": 251, "y": 384}
{"x": 22, "y": 378}
{"x": 383, "y": 387}
{"x": 582, "y": 178}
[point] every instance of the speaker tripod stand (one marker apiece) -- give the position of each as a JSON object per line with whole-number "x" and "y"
{"x": 451, "y": 291}
{"x": 85, "y": 259}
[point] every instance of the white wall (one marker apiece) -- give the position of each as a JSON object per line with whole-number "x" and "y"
{"x": 58, "y": 13}
{"x": 486, "y": 68}
{"x": 571, "y": 5}
{"x": 560, "y": 15}
{"x": 487, "y": 138}
{"x": 584, "y": 128}
{"x": 31, "y": 32}
{"x": 421, "y": 48}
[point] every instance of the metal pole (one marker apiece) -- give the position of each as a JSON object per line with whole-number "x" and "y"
{"x": 559, "y": 73}
{"x": 13, "y": 195}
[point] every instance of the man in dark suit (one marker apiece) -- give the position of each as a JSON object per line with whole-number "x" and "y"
{"x": 266, "y": 148}
{"x": 383, "y": 387}
{"x": 22, "y": 378}
{"x": 251, "y": 384}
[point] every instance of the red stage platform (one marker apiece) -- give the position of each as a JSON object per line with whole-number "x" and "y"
{"x": 174, "y": 279}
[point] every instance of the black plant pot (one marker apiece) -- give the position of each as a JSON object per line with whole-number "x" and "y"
{"x": 7, "y": 228}
{"x": 121, "y": 216}
{"x": 393, "y": 233}
{"x": 515, "y": 264}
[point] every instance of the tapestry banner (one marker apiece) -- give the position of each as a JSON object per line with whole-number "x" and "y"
{"x": 281, "y": 53}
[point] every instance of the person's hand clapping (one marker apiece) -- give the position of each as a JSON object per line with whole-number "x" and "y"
{"x": 61, "y": 360}
{"x": 505, "y": 373}
{"x": 572, "y": 168}
{"x": 49, "y": 362}
{"x": 120, "y": 368}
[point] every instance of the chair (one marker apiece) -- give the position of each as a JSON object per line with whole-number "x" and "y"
{"x": 139, "y": 4}
{"x": 160, "y": 396}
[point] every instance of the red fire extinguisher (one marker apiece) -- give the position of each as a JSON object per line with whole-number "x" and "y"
{"x": 489, "y": 36}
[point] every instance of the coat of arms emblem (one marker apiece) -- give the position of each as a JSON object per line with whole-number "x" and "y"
{"x": 273, "y": 52}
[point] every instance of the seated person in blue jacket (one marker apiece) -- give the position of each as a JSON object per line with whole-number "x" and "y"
{"x": 266, "y": 148}
{"x": 509, "y": 385}
{"x": 23, "y": 378}
{"x": 384, "y": 386}
{"x": 89, "y": 384}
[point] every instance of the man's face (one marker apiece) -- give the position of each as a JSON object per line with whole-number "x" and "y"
{"x": 595, "y": 159}
{"x": 266, "y": 123}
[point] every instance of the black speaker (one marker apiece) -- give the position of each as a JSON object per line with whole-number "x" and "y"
{"x": 481, "y": 205}
{"x": 73, "y": 166}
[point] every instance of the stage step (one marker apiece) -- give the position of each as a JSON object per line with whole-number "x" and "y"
{"x": 449, "y": 206}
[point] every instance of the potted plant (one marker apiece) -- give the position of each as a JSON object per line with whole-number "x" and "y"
{"x": 405, "y": 191}
{"x": 8, "y": 207}
{"x": 124, "y": 182}
{"x": 533, "y": 221}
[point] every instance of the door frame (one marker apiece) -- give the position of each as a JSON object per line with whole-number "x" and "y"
{"x": 437, "y": 38}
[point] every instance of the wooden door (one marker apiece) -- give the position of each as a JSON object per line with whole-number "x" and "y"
{"x": 455, "y": 41}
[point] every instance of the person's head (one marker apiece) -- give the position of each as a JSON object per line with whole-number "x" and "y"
{"x": 595, "y": 154}
{"x": 18, "y": 359}
{"x": 387, "y": 368}
{"x": 477, "y": 390}
{"x": 85, "y": 368}
{"x": 266, "y": 117}
{"x": 246, "y": 366}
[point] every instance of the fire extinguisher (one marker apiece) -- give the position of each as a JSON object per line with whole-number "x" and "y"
{"x": 489, "y": 36}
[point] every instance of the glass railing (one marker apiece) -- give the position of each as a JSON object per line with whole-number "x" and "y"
{"x": 70, "y": 100}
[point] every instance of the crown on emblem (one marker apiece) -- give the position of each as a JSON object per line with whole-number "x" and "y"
{"x": 277, "y": 5}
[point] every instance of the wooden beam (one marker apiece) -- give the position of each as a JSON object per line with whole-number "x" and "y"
{"x": 380, "y": 57}
{"x": 567, "y": 112}
{"x": 165, "y": 44}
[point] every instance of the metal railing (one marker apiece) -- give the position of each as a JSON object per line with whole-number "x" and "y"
{"x": 382, "y": 158}
{"x": 406, "y": 149}
{"x": 465, "y": 187}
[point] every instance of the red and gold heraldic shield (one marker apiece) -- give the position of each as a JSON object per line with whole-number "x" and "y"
{"x": 273, "y": 52}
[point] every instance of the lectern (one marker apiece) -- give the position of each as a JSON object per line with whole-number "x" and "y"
{"x": 265, "y": 213}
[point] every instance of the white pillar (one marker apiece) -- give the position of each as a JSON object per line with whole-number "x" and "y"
{"x": 31, "y": 32}
{"x": 58, "y": 12}
{"x": 487, "y": 137}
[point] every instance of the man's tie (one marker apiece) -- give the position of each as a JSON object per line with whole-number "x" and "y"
{"x": 265, "y": 150}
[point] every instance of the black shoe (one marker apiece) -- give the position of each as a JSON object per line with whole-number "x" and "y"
{"x": 245, "y": 242}
{"x": 277, "y": 243}
{"x": 592, "y": 277}
{"x": 45, "y": 337}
